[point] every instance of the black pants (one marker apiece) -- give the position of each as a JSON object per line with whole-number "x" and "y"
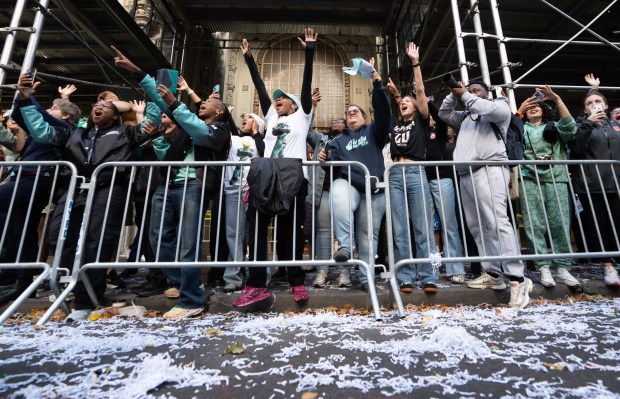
{"x": 289, "y": 234}
{"x": 596, "y": 213}
{"x": 19, "y": 221}
{"x": 112, "y": 225}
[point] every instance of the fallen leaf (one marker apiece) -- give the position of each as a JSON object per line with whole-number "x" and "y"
{"x": 331, "y": 309}
{"x": 498, "y": 312}
{"x": 309, "y": 395}
{"x": 555, "y": 366}
{"x": 40, "y": 328}
{"x": 234, "y": 349}
{"x": 94, "y": 316}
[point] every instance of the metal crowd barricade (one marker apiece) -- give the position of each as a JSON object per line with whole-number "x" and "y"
{"x": 38, "y": 181}
{"x": 603, "y": 178}
{"x": 128, "y": 170}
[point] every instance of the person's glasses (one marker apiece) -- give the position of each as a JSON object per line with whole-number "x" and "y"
{"x": 336, "y": 121}
{"x": 352, "y": 111}
{"x": 615, "y": 112}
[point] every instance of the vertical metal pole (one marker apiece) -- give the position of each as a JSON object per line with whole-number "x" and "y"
{"x": 33, "y": 42}
{"x": 182, "y": 66}
{"x": 459, "y": 41}
{"x": 397, "y": 57}
{"x": 482, "y": 54}
{"x": 174, "y": 42}
{"x": 9, "y": 43}
{"x": 503, "y": 55}
{"x": 387, "y": 55}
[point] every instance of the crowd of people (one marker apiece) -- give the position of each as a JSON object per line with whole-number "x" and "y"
{"x": 327, "y": 203}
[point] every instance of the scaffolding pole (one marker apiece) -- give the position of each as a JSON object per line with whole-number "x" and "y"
{"x": 459, "y": 41}
{"x": 33, "y": 42}
{"x": 9, "y": 42}
{"x": 503, "y": 55}
{"x": 482, "y": 52}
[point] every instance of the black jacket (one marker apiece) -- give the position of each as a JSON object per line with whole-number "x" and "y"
{"x": 274, "y": 183}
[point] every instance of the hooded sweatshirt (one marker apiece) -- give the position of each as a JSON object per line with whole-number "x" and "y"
{"x": 477, "y": 140}
{"x": 365, "y": 144}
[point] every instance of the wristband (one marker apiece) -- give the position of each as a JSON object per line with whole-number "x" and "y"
{"x": 189, "y": 92}
{"x": 416, "y": 65}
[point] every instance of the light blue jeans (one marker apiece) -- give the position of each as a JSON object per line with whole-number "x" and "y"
{"x": 444, "y": 198}
{"x": 235, "y": 237}
{"x": 324, "y": 242}
{"x": 349, "y": 203}
{"x": 411, "y": 179}
{"x": 182, "y": 211}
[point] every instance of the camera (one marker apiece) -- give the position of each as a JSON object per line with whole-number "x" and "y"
{"x": 449, "y": 81}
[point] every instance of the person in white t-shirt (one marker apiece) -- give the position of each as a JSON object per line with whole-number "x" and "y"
{"x": 287, "y": 122}
{"x": 244, "y": 146}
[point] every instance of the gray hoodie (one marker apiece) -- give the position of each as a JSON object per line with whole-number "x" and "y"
{"x": 476, "y": 139}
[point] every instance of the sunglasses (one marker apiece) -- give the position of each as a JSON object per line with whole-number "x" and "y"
{"x": 353, "y": 111}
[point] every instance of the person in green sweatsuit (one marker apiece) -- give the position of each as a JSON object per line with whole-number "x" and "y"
{"x": 544, "y": 194}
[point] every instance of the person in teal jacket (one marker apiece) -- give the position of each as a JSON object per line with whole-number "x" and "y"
{"x": 176, "y": 216}
{"x": 546, "y": 207}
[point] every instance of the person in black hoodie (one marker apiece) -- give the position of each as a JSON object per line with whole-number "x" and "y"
{"x": 363, "y": 143}
{"x": 104, "y": 139}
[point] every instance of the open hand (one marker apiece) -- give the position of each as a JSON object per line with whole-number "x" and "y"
{"x": 592, "y": 81}
{"x": 413, "y": 53}
{"x": 66, "y": 91}
{"x": 138, "y": 106}
{"x": 310, "y": 36}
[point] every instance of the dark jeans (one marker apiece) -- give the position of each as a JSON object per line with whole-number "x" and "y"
{"x": 596, "y": 213}
{"x": 17, "y": 223}
{"x": 155, "y": 275}
{"x": 289, "y": 226}
{"x": 113, "y": 225}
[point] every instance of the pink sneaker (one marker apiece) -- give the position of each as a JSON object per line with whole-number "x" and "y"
{"x": 300, "y": 295}
{"x": 253, "y": 298}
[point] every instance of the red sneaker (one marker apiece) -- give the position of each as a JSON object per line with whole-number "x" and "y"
{"x": 253, "y": 298}
{"x": 300, "y": 295}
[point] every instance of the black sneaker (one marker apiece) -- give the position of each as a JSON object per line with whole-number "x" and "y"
{"x": 342, "y": 255}
{"x": 429, "y": 288}
{"x": 129, "y": 272}
{"x": 364, "y": 287}
{"x": 114, "y": 281}
{"x": 406, "y": 287}
{"x": 14, "y": 292}
{"x": 148, "y": 289}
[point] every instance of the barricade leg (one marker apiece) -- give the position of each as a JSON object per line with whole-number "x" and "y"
{"x": 31, "y": 288}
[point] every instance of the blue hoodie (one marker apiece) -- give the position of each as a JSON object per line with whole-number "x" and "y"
{"x": 364, "y": 145}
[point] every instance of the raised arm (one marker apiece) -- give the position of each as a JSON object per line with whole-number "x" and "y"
{"x": 383, "y": 112}
{"x": 32, "y": 117}
{"x": 448, "y": 114}
{"x": 306, "y": 86}
{"x": 421, "y": 100}
{"x": 263, "y": 96}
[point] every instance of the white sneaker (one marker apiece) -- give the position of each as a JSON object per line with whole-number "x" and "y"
{"x": 564, "y": 277}
{"x": 487, "y": 281}
{"x": 79, "y": 315}
{"x": 611, "y": 276}
{"x": 344, "y": 280}
{"x": 321, "y": 279}
{"x": 520, "y": 293}
{"x": 546, "y": 279}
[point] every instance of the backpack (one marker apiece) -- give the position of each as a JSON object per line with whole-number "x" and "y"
{"x": 514, "y": 138}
